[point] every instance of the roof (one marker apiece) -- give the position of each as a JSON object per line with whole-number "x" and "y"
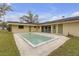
{"x": 55, "y": 21}
{"x": 64, "y": 20}
{"x": 20, "y": 22}
{"x": 12, "y": 22}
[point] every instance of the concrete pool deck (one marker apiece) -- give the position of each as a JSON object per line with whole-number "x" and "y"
{"x": 43, "y": 50}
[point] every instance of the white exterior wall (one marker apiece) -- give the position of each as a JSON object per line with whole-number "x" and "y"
{"x": 71, "y": 28}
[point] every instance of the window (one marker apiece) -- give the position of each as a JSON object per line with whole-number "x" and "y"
{"x": 20, "y": 26}
{"x": 34, "y": 26}
{"x": 45, "y": 27}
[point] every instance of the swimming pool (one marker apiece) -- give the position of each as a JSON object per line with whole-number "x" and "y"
{"x": 35, "y": 39}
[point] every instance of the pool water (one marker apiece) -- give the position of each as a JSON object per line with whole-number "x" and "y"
{"x": 35, "y": 39}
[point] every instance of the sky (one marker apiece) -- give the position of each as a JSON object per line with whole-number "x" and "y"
{"x": 46, "y": 11}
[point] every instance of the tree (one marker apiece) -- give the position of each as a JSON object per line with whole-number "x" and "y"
{"x": 30, "y": 18}
{"x": 36, "y": 18}
{"x": 4, "y": 8}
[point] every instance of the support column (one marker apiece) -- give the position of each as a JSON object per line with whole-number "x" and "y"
{"x": 56, "y": 28}
{"x": 51, "y": 28}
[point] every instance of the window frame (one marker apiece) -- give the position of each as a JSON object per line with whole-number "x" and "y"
{"x": 20, "y": 26}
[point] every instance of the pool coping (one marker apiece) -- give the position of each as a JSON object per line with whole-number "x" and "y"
{"x": 37, "y": 44}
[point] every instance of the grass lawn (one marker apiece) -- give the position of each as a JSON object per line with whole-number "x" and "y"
{"x": 7, "y": 44}
{"x": 70, "y": 48}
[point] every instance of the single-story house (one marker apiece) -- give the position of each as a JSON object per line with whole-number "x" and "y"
{"x": 24, "y": 27}
{"x": 63, "y": 26}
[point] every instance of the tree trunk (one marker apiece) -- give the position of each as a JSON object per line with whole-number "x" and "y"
{"x": 3, "y": 23}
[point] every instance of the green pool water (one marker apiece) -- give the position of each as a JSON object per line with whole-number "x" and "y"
{"x": 35, "y": 39}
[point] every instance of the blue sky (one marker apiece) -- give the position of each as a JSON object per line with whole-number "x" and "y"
{"x": 46, "y": 11}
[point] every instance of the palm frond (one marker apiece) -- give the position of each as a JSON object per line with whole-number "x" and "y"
{"x": 30, "y": 18}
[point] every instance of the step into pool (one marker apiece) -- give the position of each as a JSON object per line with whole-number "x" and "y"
{"x": 35, "y": 39}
